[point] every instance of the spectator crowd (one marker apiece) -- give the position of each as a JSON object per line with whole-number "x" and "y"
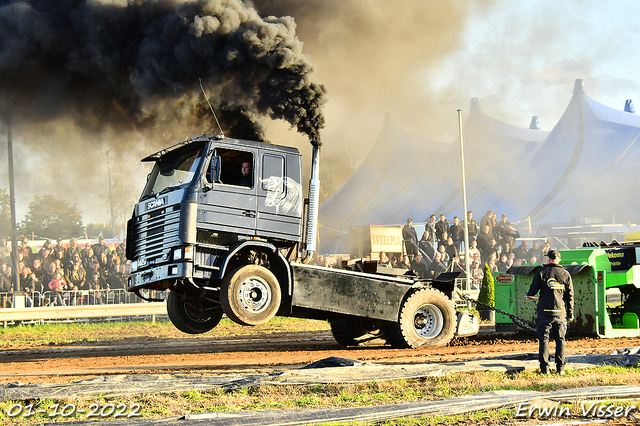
{"x": 439, "y": 249}
{"x": 59, "y": 274}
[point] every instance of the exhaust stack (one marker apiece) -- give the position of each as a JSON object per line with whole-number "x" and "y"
{"x": 314, "y": 194}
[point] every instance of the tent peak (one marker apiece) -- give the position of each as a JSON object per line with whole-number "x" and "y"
{"x": 628, "y": 106}
{"x": 578, "y": 88}
{"x": 535, "y": 123}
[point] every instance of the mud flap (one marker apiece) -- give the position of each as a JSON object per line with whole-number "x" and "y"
{"x": 468, "y": 325}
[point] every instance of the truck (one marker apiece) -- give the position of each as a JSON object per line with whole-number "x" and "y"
{"x": 222, "y": 226}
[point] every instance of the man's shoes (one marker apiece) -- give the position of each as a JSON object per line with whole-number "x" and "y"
{"x": 544, "y": 371}
{"x": 560, "y": 371}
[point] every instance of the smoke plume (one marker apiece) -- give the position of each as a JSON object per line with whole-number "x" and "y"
{"x": 136, "y": 64}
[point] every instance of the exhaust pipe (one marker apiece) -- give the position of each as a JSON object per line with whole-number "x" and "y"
{"x": 314, "y": 195}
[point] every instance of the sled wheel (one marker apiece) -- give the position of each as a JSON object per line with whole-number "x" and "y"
{"x": 250, "y": 295}
{"x": 357, "y": 332}
{"x": 427, "y": 319}
{"x": 188, "y": 318}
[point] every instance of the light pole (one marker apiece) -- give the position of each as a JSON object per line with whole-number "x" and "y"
{"x": 18, "y": 295}
{"x": 464, "y": 204}
{"x": 113, "y": 226}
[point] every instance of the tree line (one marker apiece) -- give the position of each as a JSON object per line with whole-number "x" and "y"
{"x": 49, "y": 217}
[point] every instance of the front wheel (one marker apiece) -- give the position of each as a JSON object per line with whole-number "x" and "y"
{"x": 190, "y": 318}
{"x": 250, "y": 295}
{"x": 427, "y": 319}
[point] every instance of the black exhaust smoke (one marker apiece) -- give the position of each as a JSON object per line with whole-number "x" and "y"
{"x": 137, "y": 63}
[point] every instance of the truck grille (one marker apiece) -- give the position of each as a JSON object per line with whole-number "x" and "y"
{"x": 157, "y": 234}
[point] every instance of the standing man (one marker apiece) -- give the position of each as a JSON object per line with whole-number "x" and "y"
{"x": 410, "y": 238}
{"x": 555, "y": 308}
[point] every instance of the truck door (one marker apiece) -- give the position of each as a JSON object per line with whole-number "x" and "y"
{"x": 279, "y": 196}
{"x": 231, "y": 204}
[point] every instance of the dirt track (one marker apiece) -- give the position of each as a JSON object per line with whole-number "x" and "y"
{"x": 61, "y": 363}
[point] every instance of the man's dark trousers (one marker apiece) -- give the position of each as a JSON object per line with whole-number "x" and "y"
{"x": 555, "y": 327}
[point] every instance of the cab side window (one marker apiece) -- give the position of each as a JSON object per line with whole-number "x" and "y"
{"x": 236, "y": 167}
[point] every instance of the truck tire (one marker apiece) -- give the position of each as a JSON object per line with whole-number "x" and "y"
{"x": 427, "y": 319}
{"x": 250, "y": 295}
{"x": 187, "y": 319}
{"x": 353, "y": 331}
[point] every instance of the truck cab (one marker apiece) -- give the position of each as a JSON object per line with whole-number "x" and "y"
{"x": 213, "y": 204}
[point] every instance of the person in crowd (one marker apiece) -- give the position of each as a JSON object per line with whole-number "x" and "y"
{"x": 487, "y": 220}
{"x": 45, "y": 246}
{"x": 26, "y": 251}
{"x": 57, "y": 285}
{"x": 555, "y": 309}
{"x": 503, "y": 263}
{"x": 533, "y": 260}
{"x": 404, "y": 262}
{"x": 437, "y": 266}
{"x": 522, "y": 250}
{"x": 509, "y": 235}
{"x": 431, "y": 227}
{"x": 491, "y": 250}
{"x": 444, "y": 256}
{"x": 484, "y": 238}
{"x": 419, "y": 266}
{"x": 456, "y": 232}
{"x": 6, "y": 286}
{"x": 37, "y": 269}
{"x": 118, "y": 283}
{"x": 473, "y": 250}
{"x": 410, "y": 238}
{"x": 383, "y": 259}
{"x": 506, "y": 249}
{"x": 88, "y": 258}
{"x": 426, "y": 245}
{"x": 451, "y": 249}
{"x": 121, "y": 250}
{"x": 472, "y": 226}
{"x": 477, "y": 274}
{"x": 5, "y": 252}
{"x": 442, "y": 226}
{"x": 394, "y": 262}
{"x": 100, "y": 247}
{"x": 492, "y": 265}
{"x": 71, "y": 252}
{"x": 28, "y": 283}
{"x": 535, "y": 251}
{"x": 59, "y": 248}
{"x": 77, "y": 277}
{"x": 96, "y": 287}
{"x": 445, "y": 237}
{"x": 502, "y": 225}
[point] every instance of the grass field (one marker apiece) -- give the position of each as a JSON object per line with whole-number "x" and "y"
{"x": 291, "y": 397}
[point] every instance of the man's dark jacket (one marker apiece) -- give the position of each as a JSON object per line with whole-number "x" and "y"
{"x": 556, "y": 291}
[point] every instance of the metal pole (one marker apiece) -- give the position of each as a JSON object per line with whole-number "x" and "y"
{"x": 12, "y": 201}
{"x": 464, "y": 205}
{"x": 113, "y": 226}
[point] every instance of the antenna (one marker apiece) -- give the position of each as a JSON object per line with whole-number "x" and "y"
{"x": 212, "y": 111}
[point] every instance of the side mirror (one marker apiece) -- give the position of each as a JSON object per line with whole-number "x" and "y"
{"x": 216, "y": 169}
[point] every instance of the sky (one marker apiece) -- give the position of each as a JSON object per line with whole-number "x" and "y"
{"x": 418, "y": 61}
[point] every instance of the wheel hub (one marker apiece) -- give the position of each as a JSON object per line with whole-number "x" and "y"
{"x": 428, "y": 321}
{"x": 254, "y": 295}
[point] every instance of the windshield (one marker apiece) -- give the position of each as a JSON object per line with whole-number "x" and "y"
{"x": 173, "y": 170}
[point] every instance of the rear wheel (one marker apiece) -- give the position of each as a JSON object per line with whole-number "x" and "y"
{"x": 191, "y": 318}
{"x": 427, "y": 319}
{"x": 250, "y": 295}
{"x": 352, "y": 331}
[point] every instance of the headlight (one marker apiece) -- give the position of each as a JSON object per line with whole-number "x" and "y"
{"x": 177, "y": 254}
{"x": 134, "y": 266}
